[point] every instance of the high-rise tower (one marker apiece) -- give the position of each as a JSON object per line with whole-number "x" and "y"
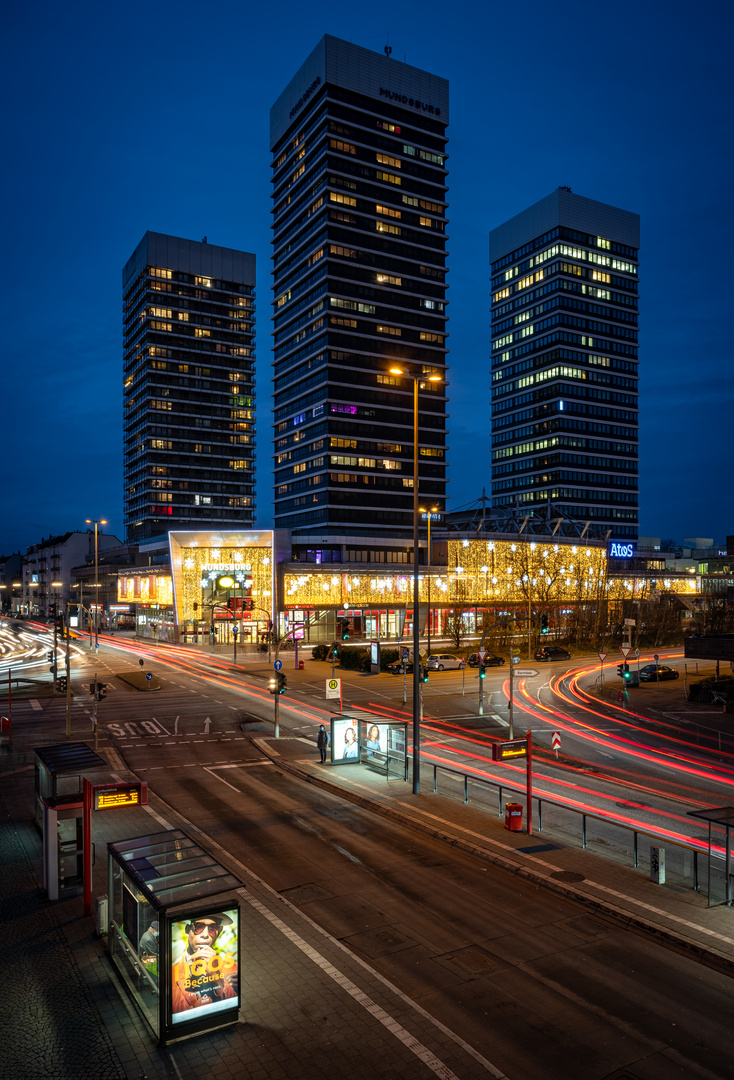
{"x": 188, "y": 357}
{"x": 359, "y": 252}
{"x": 564, "y": 361}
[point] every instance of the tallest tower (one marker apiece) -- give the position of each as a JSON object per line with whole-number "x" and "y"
{"x": 359, "y": 253}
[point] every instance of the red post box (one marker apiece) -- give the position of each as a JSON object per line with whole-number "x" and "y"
{"x": 513, "y": 816}
{"x": 301, "y": 665}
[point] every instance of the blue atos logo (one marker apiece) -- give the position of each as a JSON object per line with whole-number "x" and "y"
{"x": 621, "y": 551}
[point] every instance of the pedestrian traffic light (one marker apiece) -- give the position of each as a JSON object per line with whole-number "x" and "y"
{"x": 282, "y": 682}
{"x": 345, "y": 631}
{"x": 333, "y": 651}
{"x": 544, "y": 624}
{"x": 423, "y": 674}
{"x": 98, "y": 690}
{"x": 50, "y": 655}
{"x": 482, "y": 671}
{"x": 61, "y": 684}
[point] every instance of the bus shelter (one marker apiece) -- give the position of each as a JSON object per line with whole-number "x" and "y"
{"x": 174, "y": 933}
{"x": 363, "y": 738}
{"x": 720, "y": 821}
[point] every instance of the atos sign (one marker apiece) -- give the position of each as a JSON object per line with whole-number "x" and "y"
{"x": 621, "y": 551}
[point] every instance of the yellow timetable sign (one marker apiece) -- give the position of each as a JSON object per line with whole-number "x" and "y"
{"x": 510, "y": 750}
{"x": 118, "y": 795}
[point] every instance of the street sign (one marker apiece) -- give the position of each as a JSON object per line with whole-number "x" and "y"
{"x": 602, "y": 656}
{"x": 148, "y": 676}
{"x": 656, "y": 658}
{"x": 509, "y": 751}
{"x": 277, "y": 665}
{"x": 515, "y": 659}
{"x": 482, "y": 654}
{"x": 556, "y": 741}
{"x": 421, "y": 652}
{"x": 515, "y": 651}
{"x": 625, "y": 650}
{"x": 630, "y": 622}
{"x": 333, "y": 688}
{"x": 404, "y": 654}
{"x": 525, "y": 673}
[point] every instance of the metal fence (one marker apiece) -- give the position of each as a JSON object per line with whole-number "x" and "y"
{"x": 685, "y": 864}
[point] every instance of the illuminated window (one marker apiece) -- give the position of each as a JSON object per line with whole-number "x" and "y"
{"x": 388, "y": 178}
{"x": 437, "y": 339}
{"x": 389, "y": 448}
{"x": 183, "y": 316}
{"x": 388, "y": 279}
{"x": 394, "y": 330}
{"x": 284, "y": 298}
{"x": 435, "y": 159}
{"x": 386, "y": 159}
{"x": 410, "y": 200}
{"x": 198, "y": 332}
{"x": 425, "y": 221}
{"x": 602, "y": 243}
{"x": 388, "y": 227}
{"x": 161, "y": 312}
{"x": 388, "y": 127}
{"x": 238, "y": 463}
{"x": 387, "y": 380}
{"x": 161, "y": 444}
{"x": 155, "y": 324}
{"x": 347, "y": 253}
{"x": 430, "y": 451}
{"x": 346, "y": 200}
{"x": 156, "y": 272}
{"x": 388, "y": 211}
{"x": 343, "y": 444}
{"x": 597, "y": 275}
{"x": 205, "y": 281}
{"x": 299, "y": 468}
{"x": 344, "y": 147}
{"x": 315, "y": 257}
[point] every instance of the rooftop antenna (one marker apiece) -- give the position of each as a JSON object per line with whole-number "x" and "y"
{"x": 388, "y": 50}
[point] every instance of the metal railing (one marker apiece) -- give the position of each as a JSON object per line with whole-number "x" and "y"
{"x": 685, "y": 864}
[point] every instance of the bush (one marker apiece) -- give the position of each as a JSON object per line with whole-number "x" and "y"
{"x": 354, "y": 658}
{"x": 320, "y": 652}
{"x": 388, "y": 656}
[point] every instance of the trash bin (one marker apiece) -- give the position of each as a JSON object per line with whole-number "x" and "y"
{"x": 513, "y": 816}
{"x": 300, "y": 665}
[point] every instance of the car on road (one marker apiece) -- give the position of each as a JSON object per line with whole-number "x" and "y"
{"x": 400, "y": 667}
{"x": 652, "y": 672}
{"x": 552, "y": 652}
{"x": 490, "y": 660}
{"x": 439, "y": 661}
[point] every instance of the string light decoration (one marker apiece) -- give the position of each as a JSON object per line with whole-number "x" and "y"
{"x": 200, "y": 563}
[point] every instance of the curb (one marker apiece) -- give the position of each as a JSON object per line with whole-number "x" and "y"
{"x": 671, "y": 939}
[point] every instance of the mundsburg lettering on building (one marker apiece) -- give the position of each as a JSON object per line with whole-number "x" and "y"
{"x": 302, "y": 101}
{"x": 413, "y": 103}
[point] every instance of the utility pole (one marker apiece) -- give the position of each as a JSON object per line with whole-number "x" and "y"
{"x": 68, "y": 679}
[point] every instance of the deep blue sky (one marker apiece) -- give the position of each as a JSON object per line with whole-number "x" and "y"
{"x": 122, "y": 118}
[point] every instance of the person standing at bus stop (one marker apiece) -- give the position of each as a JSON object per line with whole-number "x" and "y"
{"x": 322, "y": 741}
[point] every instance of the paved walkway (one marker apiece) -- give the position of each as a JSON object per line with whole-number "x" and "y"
{"x": 72, "y": 1018}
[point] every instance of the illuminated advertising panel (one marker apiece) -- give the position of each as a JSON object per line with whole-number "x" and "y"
{"x": 374, "y": 741}
{"x": 204, "y": 973}
{"x": 344, "y": 741}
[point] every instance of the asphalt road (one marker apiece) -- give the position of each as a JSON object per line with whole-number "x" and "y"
{"x": 532, "y": 981}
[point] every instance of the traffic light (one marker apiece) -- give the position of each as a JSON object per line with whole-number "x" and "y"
{"x": 423, "y": 673}
{"x": 278, "y": 683}
{"x": 482, "y": 671}
{"x": 50, "y": 654}
{"x": 345, "y": 631}
{"x": 61, "y": 684}
{"x": 626, "y": 671}
{"x": 98, "y": 690}
{"x": 544, "y": 624}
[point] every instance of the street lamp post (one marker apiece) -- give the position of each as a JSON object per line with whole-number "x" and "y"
{"x": 430, "y": 511}
{"x": 417, "y": 379}
{"x": 96, "y": 522}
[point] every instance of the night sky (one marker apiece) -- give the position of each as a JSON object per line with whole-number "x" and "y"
{"x": 122, "y": 118}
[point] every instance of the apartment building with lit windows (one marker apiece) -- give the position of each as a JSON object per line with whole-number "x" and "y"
{"x": 564, "y": 392}
{"x": 359, "y": 251}
{"x": 189, "y": 385}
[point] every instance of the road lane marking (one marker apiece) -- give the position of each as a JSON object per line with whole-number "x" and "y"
{"x": 376, "y": 1011}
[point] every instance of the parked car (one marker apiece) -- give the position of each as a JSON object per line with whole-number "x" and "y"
{"x": 490, "y": 660}
{"x": 399, "y": 667}
{"x": 652, "y": 672}
{"x": 439, "y": 661}
{"x": 552, "y": 652}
